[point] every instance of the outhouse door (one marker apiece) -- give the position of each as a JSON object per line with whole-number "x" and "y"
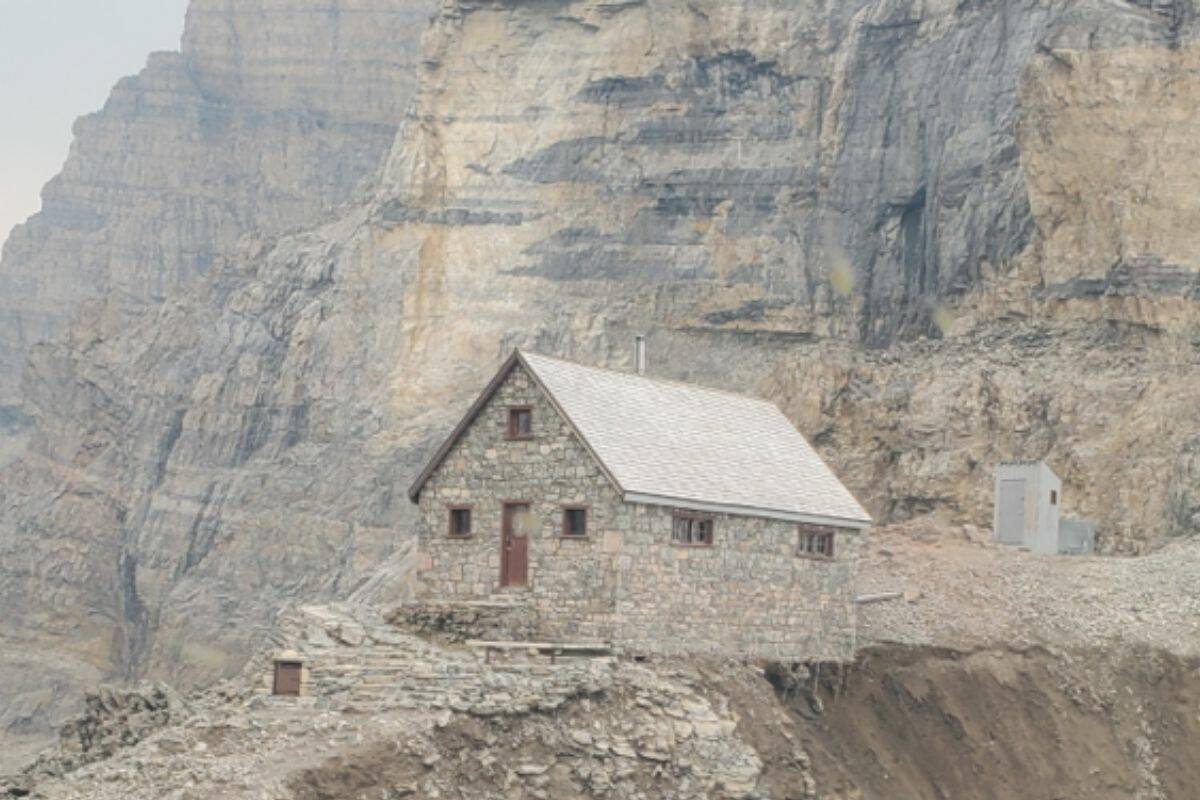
{"x": 514, "y": 545}
{"x": 1012, "y": 512}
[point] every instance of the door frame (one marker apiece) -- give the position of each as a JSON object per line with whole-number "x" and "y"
{"x": 505, "y": 536}
{"x": 291, "y": 667}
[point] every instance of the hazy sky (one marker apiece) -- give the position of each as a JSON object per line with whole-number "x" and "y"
{"x": 58, "y": 59}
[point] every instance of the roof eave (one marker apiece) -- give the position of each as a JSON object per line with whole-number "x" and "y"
{"x": 855, "y": 523}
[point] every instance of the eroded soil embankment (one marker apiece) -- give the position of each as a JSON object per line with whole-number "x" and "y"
{"x": 902, "y": 724}
{"x": 911, "y": 724}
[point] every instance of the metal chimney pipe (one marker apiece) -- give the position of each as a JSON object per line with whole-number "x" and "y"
{"x": 640, "y": 355}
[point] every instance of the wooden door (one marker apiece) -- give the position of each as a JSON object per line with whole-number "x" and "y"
{"x": 514, "y": 545}
{"x": 287, "y": 678}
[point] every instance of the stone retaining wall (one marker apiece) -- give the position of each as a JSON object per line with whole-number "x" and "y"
{"x": 456, "y": 622}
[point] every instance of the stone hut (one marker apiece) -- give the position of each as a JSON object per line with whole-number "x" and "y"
{"x": 655, "y": 516}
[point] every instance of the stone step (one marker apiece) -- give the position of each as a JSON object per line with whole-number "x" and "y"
{"x": 423, "y": 670}
{"x": 408, "y": 700}
{"x": 393, "y": 656}
{"x": 407, "y": 680}
{"x": 394, "y": 638}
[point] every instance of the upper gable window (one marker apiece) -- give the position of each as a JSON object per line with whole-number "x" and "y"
{"x": 692, "y": 531}
{"x": 575, "y": 522}
{"x": 520, "y": 422}
{"x": 1053, "y": 497}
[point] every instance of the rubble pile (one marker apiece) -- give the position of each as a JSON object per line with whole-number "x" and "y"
{"x": 112, "y": 719}
{"x": 458, "y": 622}
{"x": 961, "y": 591}
{"x": 659, "y": 731}
{"x": 445, "y": 723}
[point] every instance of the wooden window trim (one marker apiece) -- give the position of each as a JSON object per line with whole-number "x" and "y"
{"x": 532, "y": 505}
{"x": 802, "y": 552}
{"x": 712, "y": 536}
{"x": 565, "y": 533}
{"x": 510, "y": 427}
{"x": 450, "y": 509}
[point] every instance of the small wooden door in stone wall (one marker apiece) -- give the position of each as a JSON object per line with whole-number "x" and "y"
{"x": 287, "y": 678}
{"x": 514, "y": 545}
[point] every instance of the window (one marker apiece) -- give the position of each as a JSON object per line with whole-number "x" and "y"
{"x": 520, "y": 423}
{"x": 575, "y": 522}
{"x": 815, "y": 543}
{"x": 692, "y": 531}
{"x": 460, "y": 522}
{"x": 1053, "y": 497}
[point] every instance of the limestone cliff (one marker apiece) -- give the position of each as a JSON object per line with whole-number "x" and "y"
{"x": 918, "y": 225}
{"x": 268, "y": 118}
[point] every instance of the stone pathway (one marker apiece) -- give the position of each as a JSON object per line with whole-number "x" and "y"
{"x": 357, "y": 661}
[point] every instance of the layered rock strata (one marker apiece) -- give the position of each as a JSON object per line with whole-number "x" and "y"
{"x": 268, "y": 117}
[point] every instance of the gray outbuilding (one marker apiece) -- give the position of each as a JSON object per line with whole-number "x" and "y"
{"x": 1028, "y": 498}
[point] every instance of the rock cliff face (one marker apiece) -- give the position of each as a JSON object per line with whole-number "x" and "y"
{"x": 267, "y": 119}
{"x": 932, "y": 230}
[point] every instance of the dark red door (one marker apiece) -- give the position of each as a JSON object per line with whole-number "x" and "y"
{"x": 514, "y": 545}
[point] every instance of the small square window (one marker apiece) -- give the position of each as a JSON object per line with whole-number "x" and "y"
{"x": 460, "y": 522}
{"x": 575, "y": 523}
{"x": 692, "y": 531}
{"x": 816, "y": 544}
{"x": 520, "y": 423}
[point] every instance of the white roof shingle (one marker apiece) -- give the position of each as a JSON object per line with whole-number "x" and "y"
{"x": 664, "y": 441}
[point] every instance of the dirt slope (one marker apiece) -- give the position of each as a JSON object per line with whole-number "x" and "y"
{"x": 1009, "y": 725}
{"x": 903, "y": 724}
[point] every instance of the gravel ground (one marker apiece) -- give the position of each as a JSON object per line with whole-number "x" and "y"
{"x": 963, "y": 592}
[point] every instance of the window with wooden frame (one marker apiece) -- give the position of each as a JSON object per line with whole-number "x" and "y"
{"x": 575, "y": 522}
{"x": 520, "y": 422}
{"x": 692, "y": 531}
{"x": 460, "y": 522}
{"x": 815, "y": 543}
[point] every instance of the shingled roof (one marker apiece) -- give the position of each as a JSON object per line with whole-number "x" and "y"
{"x": 668, "y": 443}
